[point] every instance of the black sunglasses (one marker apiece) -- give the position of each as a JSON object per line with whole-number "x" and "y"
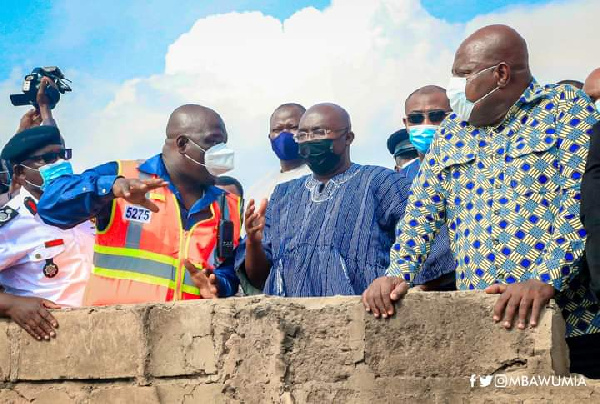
{"x": 435, "y": 116}
{"x": 51, "y": 157}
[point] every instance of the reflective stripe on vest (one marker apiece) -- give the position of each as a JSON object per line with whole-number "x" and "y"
{"x": 134, "y": 230}
{"x": 121, "y": 251}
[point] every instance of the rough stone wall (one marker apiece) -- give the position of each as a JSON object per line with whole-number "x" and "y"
{"x": 257, "y": 350}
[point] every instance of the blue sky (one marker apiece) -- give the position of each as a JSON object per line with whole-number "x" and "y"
{"x": 119, "y": 39}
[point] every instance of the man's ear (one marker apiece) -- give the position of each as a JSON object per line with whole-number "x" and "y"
{"x": 17, "y": 170}
{"x": 503, "y": 74}
{"x": 405, "y": 122}
{"x": 181, "y": 143}
{"x": 349, "y": 138}
{"x": 18, "y": 177}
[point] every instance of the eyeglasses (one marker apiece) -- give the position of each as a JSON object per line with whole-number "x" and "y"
{"x": 320, "y": 133}
{"x": 51, "y": 157}
{"x": 435, "y": 116}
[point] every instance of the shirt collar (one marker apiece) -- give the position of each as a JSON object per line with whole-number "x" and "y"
{"x": 156, "y": 166}
{"x": 532, "y": 93}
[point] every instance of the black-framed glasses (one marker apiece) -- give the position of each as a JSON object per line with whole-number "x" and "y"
{"x": 51, "y": 157}
{"x": 319, "y": 133}
{"x": 435, "y": 116}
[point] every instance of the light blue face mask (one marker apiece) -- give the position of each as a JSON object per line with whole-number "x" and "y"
{"x": 52, "y": 171}
{"x": 421, "y": 136}
{"x": 598, "y": 105}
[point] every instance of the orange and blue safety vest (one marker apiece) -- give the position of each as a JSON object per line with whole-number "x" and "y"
{"x": 139, "y": 256}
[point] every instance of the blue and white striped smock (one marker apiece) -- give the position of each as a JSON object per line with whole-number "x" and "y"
{"x": 335, "y": 240}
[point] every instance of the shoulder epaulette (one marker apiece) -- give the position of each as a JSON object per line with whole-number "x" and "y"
{"x": 7, "y": 214}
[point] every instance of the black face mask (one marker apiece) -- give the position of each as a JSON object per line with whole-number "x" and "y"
{"x": 319, "y": 156}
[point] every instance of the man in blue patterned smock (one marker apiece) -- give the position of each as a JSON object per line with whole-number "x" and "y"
{"x": 504, "y": 174}
{"x": 328, "y": 233}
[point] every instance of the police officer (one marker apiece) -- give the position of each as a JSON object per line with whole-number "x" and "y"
{"x": 41, "y": 267}
{"x": 402, "y": 149}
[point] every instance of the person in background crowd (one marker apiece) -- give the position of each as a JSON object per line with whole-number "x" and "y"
{"x": 328, "y": 233}
{"x": 504, "y": 174}
{"x": 42, "y": 115}
{"x": 157, "y": 219}
{"x": 575, "y": 83}
{"x": 233, "y": 186}
{"x": 41, "y": 267}
{"x": 402, "y": 149}
{"x": 230, "y": 184}
{"x": 592, "y": 87}
{"x": 590, "y": 190}
{"x": 424, "y": 111}
{"x": 283, "y": 125}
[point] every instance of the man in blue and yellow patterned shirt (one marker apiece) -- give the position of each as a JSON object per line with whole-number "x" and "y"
{"x": 504, "y": 174}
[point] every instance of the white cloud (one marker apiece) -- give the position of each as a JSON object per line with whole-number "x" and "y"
{"x": 365, "y": 55}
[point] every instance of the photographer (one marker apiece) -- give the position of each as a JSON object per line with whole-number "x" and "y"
{"x": 40, "y": 116}
{"x": 41, "y": 267}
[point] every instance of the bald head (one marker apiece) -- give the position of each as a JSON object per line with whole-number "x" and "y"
{"x": 192, "y": 118}
{"x": 494, "y": 44}
{"x": 327, "y": 115}
{"x": 592, "y": 85}
{"x": 495, "y": 62}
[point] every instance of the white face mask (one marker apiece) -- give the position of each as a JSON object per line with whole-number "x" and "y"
{"x": 598, "y": 105}
{"x": 218, "y": 160}
{"x": 456, "y": 92}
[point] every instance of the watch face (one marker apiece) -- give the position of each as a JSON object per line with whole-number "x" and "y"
{"x": 50, "y": 270}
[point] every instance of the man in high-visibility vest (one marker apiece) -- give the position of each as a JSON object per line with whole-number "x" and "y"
{"x": 164, "y": 231}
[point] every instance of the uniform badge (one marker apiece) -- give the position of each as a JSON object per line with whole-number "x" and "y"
{"x": 30, "y": 205}
{"x": 7, "y": 214}
{"x": 50, "y": 269}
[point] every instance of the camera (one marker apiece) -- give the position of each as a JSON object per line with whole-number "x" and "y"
{"x": 31, "y": 85}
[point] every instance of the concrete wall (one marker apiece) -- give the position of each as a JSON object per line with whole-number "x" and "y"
{"x": 257, "y": 350}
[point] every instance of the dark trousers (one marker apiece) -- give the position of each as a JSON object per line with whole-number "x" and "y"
{"x": 584, "y": 352}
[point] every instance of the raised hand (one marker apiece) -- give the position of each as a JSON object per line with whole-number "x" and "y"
{"x": 134, "y": 191}
{"x": 30, "y": 119}
{"x": 254, "y": 221}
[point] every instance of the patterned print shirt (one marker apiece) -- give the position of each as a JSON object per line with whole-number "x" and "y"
{"x": 510, "y": 197}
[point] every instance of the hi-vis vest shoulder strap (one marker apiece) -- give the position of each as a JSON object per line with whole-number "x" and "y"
{"x": 139, "y": 257}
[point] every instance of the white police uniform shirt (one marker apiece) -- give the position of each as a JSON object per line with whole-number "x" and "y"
{"x": 28, "y": 246}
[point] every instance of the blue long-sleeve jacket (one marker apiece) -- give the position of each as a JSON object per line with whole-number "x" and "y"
{"x": 73, "y": 199}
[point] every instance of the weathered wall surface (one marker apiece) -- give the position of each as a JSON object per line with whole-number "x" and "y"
{"x": 257, "y": 350}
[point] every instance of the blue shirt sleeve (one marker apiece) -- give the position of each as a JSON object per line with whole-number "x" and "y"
{"x": 227, "y": 280}
{"x": 72, "y": 199}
